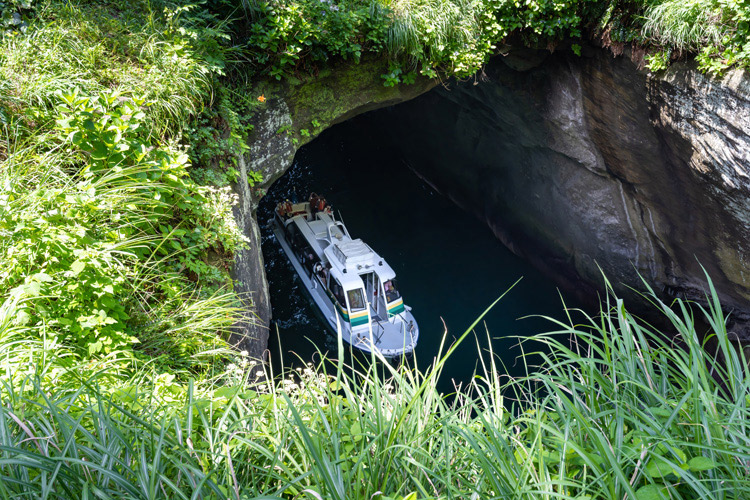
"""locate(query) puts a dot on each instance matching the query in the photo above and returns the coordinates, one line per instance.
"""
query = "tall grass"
(94, 46)
(122, 224)
(622, 411)
(685, 25)
(445, 32)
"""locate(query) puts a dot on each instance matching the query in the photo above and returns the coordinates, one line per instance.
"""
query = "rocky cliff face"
(582, 163)
(292, 115)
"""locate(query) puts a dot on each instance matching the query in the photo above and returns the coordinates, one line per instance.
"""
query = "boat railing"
(381, 332)
(409, 330)
(338, 235)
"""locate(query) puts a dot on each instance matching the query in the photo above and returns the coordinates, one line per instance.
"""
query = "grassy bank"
(621, 414)
(121, 123)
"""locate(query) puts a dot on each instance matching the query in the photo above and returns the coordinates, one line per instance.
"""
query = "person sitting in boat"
(313, 202)
(307, 256)
(391, 293)
(321, 271)
(317, 204)
(284, 208)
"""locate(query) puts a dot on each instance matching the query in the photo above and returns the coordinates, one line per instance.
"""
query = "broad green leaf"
(77, 266)
(32, 289)
(95, 347)
(701, 464)
(650, 492)
(22, 318)
(658, 468)
(356, 431)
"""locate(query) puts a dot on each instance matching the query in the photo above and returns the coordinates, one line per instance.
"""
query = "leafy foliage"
(716, 31)
(115, 289)
(286, 35)
(451, 37)
(219, 135)
(14, 16)
(291, 39)
(108, 240)
(81, 243)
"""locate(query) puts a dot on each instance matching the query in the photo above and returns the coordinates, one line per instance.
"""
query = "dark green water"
(450, 267)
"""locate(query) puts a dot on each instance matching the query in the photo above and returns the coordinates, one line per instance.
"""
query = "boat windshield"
(391, 290)
(356, 299)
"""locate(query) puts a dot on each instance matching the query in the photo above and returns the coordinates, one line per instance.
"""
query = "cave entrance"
(449, 264)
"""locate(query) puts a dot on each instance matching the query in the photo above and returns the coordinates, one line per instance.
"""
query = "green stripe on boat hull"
(392, 311)
(359, 321)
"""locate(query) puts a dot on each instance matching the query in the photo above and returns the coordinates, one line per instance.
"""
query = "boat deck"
(387, 337)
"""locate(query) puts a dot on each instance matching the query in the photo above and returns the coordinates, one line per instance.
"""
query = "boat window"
(391, 290)
(308, 256)
(356, 299)
(338, 291)
(293, 235)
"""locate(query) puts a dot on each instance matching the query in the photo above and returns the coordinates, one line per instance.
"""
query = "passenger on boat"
(321, 271)
(391, 293)
(308, 257)
(284, 208)
(317, 204)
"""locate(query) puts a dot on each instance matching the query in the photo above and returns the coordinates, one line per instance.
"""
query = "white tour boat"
(353, 286)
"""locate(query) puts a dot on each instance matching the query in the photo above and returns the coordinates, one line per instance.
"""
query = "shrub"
(108, 227)
(428, 37)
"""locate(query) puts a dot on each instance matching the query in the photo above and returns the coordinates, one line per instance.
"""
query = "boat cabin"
(364, 277)
(348, 275)
(350, 270)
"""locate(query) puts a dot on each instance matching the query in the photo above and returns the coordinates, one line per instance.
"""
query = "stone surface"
(291, 116)
(583, 164)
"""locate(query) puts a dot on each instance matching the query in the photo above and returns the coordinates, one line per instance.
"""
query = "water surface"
(449, 265)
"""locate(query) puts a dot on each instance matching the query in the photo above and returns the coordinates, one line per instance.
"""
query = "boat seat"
(299, 209)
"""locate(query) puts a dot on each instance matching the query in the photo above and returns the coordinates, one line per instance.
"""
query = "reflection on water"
(449, 265)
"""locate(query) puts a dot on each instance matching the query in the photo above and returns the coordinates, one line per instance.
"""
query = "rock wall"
(582, 165)
(291, 115)
(588, 163)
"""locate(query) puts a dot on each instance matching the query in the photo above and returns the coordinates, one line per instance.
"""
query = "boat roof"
(353, 252)
(348, 258)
